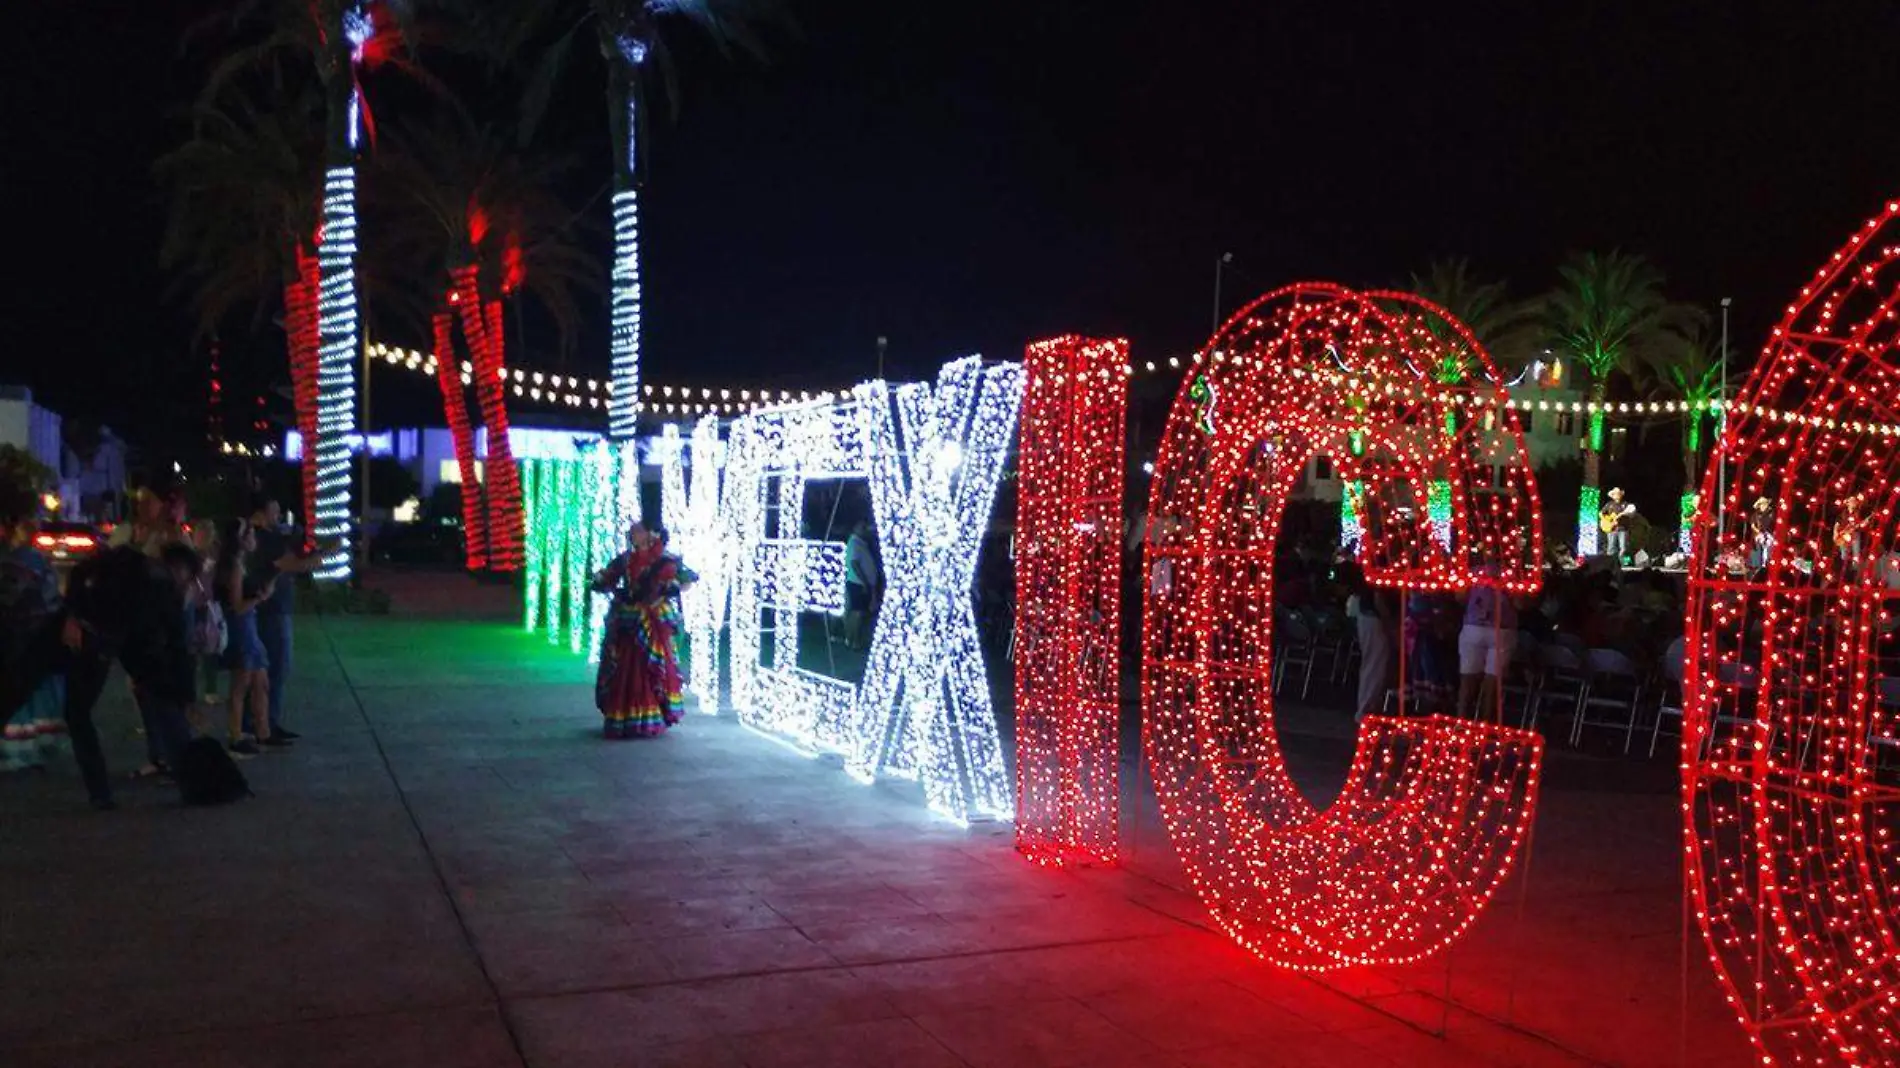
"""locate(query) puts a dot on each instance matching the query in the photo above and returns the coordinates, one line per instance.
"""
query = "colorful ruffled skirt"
(638, 689)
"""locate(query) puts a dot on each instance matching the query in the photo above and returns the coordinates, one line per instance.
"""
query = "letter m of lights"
(933, 456)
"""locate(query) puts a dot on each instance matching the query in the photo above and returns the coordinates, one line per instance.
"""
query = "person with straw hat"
(1615, 519)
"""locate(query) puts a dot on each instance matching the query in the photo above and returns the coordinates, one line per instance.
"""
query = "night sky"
(967, 176)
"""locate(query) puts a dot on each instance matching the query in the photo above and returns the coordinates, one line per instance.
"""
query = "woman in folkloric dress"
(638, 688)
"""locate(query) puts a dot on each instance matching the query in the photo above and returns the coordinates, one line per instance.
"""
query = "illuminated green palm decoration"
(1608, 314)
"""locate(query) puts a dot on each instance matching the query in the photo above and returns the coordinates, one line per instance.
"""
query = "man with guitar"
(1847, 534)
(1614, 521)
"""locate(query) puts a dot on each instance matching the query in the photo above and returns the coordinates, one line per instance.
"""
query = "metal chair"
(1669, 687)
(1521, 677)
(1611, 682)
(1331, 639)
(1560, 680)
(1292, 649)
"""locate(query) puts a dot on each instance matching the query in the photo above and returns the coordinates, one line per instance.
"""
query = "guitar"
(1608, 522)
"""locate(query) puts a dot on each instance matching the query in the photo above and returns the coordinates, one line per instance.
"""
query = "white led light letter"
(933, 456)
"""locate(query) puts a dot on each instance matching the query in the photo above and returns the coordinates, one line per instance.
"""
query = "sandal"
(151, 771)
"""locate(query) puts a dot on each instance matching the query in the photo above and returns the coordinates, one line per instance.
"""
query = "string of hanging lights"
(575, 391)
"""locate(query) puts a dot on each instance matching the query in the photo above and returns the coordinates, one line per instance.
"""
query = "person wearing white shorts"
(1484, 647)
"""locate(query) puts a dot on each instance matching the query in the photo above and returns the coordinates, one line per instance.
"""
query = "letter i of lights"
(1068, 600)
(336, 366)
(1790, 814)
(1434, 809)
(934, 457)
(691, 516)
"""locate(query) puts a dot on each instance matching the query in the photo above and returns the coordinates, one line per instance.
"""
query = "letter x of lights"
(933, 456)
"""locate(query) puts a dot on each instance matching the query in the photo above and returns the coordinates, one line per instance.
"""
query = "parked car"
(66, 544)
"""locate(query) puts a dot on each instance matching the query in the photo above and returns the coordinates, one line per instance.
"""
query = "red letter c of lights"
(1790, 818)
(1399, 396)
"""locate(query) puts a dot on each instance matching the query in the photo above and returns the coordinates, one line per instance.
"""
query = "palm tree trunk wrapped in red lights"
(1435, 808)
(448, 374)
(481, 328)
(300, 324)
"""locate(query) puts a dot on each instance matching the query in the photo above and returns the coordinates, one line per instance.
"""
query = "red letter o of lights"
(1789, 815)
(1399, 396)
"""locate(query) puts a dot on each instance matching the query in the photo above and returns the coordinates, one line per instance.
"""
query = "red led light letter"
(1068, 598)
(1428, 824)
(1791, 693)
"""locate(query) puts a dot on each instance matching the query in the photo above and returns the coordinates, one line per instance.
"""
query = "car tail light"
(45, 541)
(79, 541)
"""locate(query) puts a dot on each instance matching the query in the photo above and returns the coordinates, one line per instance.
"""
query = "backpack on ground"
(208, 776)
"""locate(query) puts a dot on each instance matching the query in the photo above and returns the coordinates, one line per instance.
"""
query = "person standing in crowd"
(157, 522)
(119, 604)
(278, 557)
(1485, 643)
(244, 654)
(1373, 618)
(151, 528)
(29, 596)
(860, 582)
(638, 688)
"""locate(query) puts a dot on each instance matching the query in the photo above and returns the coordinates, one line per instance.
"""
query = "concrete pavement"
(454, 870)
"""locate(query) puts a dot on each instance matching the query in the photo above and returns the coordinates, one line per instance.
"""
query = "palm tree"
(1609, 316)
(1511, 331)
(1688, 367)
(336, 41)
(241, 229)
(632, 45)
(473, 215)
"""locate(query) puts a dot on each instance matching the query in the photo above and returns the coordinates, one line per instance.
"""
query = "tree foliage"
(1609, 314)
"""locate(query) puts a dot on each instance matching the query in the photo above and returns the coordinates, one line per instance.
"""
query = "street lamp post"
(1219, 265)
(1721, 469)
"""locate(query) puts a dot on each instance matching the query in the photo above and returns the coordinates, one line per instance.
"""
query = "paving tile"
(682, 1012)
(465, 1038)
(1310, 1050)
(1196, 1015)
(1051, 1033)
(699, 914)
(726, 953)
(876, 1044)
(875, 941)
(821, 908)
